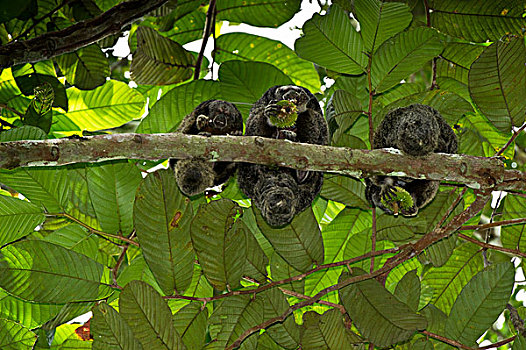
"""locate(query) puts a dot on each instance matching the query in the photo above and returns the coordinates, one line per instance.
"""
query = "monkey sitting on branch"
(416, 130)
(212, 117)
(292, 113)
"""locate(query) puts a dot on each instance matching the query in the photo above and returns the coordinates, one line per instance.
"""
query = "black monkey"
(212, 117)
(284, 112)
(416, 130)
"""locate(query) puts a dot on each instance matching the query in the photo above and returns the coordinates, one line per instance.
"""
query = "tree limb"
(76, 36)
(475, 172)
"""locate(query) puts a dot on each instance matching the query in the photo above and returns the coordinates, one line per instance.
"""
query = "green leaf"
(219, 239)
(473, 21)
(112, 188)
(159, 61)
(168, 112)
(13, 336)
(326, 332)
(149, 317)
(331, 41)
(299, 243)
(259, 13)
(25, 132)
(243, 46)
(513, 236)
(347, 109)
(137, 270)
(18, 218)
(408, 290)
(44, 186)
(377, 314)
(256, 260)
(77, 238)
(280, 270)
(479, 304)
(190, 322)
(232, 317)
(107, 106)
(286, 333)
(27, 314)
(345, 190)
(453, 66)
(110, 331)
(381, 20)
(520, 342)
(448, 280)
(246, 82)
(397, 229)
(497, 83)
(32, 270)
(162, 218)
(361, 243)
(402, 55)
(86, 68)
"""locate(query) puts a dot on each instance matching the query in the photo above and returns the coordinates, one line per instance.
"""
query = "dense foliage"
(163, 271)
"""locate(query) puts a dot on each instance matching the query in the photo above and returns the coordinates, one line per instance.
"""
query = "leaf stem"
(208, 28)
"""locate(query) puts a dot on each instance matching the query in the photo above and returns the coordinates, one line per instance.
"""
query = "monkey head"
(219, 118)
(194, 175)
(418, 131)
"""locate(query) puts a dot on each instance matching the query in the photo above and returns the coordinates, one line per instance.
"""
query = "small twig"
(370, 108)
(115, 269)
(451, 207)
(95, 231)
(208, 28)
(303, 296)
(11, 109)
(286, 280)
(515, 134)
(491, 246)
(494, 224)
(446, 340)
(497, 344)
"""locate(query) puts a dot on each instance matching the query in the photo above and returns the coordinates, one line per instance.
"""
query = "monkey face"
(294, 94)
(222, 118)
(276, 198)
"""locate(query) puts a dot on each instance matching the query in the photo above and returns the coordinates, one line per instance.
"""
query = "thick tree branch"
(76, 36)
(475, 172)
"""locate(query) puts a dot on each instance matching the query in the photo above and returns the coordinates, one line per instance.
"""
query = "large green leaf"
(346, 190)
(8, 88)
(478, 21)
(256, 260)
(381, 20)
(497, 83)
(359, 244)
(260, 13)
(514, 236)
(159, 61)
(25, 132)
(453, 66)
(326, 332)
(149, 317)
(32, 270)
(27, 314)
(107, 106)
(86, 68)
(18, 218)
(219, 239)
(190, 322)
(13, 336)
(408, 290)
(110, 331)
(479, 304)
(347, 108)
(243, 46)
(285, 333)
(332, 42)
(246, 82)
(162, 220)
(112, 189)
(402, 55)
(280, 270)
(299, 243)
(168, 112)
(448, 280)
(377, 314)
(232, 317)
(44, 186)
(77, 238)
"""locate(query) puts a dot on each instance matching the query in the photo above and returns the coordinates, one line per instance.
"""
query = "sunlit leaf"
(260, 13)
(86, 68)
(13, 336)
(17, 219)
(497, 83)
(346, 190)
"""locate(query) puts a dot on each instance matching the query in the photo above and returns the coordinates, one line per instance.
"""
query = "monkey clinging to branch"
(416, 130)
(212, 117)
(283, 112)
